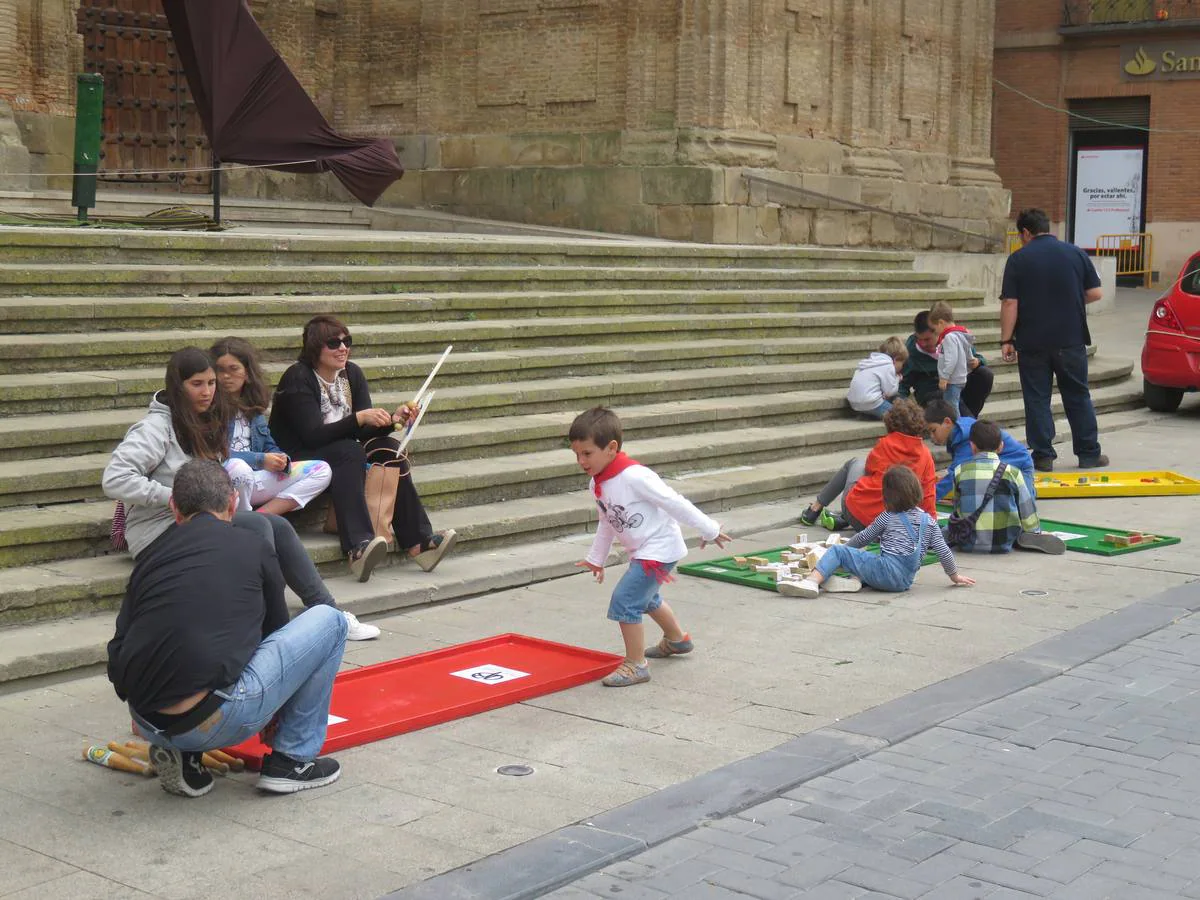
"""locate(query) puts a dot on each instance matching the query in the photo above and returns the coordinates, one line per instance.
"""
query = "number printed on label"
(490, 674)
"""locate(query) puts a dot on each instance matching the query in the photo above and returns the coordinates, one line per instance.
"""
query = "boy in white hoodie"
(877, 379)
(955, 347)
(636, 506)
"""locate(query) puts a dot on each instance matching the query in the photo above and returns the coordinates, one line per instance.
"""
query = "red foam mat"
(390, 698)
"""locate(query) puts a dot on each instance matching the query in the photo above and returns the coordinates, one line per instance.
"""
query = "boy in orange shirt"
(860, 483)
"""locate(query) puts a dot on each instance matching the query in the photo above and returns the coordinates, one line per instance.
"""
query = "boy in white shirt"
(636, 506)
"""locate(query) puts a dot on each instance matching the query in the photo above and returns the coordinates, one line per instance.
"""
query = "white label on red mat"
(489, 674)
(336, 720)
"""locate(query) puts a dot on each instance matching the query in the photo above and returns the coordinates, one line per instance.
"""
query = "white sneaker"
(807, 588)
(359, 631)
(842, 584)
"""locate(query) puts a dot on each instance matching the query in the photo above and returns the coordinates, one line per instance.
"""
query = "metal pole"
(216, 189)
(89, 114)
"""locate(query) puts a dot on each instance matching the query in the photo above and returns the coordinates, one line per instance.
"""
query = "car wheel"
(1161, 399)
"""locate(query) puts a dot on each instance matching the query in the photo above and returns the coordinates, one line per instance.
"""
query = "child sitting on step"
(876, 381)
(904, 532)
(262, 474)
(637, 507)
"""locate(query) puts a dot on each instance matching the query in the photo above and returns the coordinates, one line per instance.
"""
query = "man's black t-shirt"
(1048, 278)
(199, 602)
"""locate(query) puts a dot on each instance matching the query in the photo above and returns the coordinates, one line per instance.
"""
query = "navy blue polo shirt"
(1048, 278)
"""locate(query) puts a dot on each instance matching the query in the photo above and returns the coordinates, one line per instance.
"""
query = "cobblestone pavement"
(1083, 787)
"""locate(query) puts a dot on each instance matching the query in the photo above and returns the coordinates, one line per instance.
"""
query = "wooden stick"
(110, 759)
(438, 365)
(412, 428)
(234, 763)
(211, 762)
(133, 749)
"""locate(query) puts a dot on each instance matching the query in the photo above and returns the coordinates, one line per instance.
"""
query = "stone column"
(970, 121)
(719, 108)
(867, 99)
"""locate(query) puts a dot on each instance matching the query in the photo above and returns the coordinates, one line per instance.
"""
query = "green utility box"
(89, 121)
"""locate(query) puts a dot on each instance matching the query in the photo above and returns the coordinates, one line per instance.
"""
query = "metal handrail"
(865, 207)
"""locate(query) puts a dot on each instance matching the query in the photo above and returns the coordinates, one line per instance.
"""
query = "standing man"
(204, 653)
(1043, 326)
(919, 377)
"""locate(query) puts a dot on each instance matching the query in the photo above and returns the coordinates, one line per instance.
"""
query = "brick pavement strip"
(1035, 781)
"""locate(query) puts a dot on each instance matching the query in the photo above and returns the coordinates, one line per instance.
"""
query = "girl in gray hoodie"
(190, 418)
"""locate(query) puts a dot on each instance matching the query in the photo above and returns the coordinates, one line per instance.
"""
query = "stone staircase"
(728, 365)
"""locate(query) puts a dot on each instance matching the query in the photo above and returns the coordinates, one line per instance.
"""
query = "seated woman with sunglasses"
(322, 410)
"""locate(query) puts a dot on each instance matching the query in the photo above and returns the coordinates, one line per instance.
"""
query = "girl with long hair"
(265, 478)
(190, 418)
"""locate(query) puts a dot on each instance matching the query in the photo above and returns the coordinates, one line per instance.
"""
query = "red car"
(1171, 354)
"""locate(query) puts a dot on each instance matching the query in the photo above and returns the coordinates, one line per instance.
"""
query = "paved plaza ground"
(768, 672)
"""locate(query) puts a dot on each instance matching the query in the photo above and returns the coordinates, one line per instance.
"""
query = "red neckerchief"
(951, 330)
(619, 464)
(653, 567)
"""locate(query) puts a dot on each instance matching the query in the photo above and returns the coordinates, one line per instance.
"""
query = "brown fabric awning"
(255, 111)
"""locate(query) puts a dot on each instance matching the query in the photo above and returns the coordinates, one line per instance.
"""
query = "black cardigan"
(296, 421)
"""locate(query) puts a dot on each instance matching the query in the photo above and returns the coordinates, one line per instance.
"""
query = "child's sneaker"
(808, 589)
(626, 674)
(665, 648)
(830, 522)
(842, 584)
(808, 517)
(181, 773)
(1042, 541)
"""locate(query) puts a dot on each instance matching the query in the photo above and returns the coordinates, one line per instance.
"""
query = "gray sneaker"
(665, 648)
(627, 674)
(1042, 542)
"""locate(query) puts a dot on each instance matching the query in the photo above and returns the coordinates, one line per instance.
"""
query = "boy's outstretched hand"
(720, 540)
(962, 580)
(597, 571)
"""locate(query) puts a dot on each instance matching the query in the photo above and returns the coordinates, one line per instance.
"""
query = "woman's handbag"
(384, 471)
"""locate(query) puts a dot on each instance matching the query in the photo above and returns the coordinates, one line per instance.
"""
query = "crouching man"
(204, 653)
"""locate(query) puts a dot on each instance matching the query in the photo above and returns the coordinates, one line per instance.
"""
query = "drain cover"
(1033, 593)
(515, 770)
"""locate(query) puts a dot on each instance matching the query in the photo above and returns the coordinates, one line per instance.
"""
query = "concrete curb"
(538, 866)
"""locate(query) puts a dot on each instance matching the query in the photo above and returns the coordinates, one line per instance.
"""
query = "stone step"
(66, 476)
(474, 493)
(26, 353)
(556, 533)
(25, 315)
(240, 248)
(75, 391)
(459, 408)
(194, 281)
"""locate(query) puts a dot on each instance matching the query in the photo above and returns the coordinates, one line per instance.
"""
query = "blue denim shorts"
(635, 594)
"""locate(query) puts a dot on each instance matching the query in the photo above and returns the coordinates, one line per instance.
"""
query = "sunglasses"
(334, 343)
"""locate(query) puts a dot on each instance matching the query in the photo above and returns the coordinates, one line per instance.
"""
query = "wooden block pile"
(795, 563)
(1132, 539)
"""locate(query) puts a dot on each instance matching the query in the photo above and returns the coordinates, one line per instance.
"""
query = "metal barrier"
(1134, 253)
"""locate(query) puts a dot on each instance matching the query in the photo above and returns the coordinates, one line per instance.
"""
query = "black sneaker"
(809, 516)
(1044, 463)
(181, 773)
(1095, 462)
(283, 775)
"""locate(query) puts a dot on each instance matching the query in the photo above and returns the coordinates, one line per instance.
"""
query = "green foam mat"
(1088, 538)
(725, 569)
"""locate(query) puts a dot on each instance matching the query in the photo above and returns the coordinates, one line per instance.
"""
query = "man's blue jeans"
(883, 572)
(1069, 367)
(291, 673)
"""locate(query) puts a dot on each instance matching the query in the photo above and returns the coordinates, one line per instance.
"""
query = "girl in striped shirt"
(904, 532)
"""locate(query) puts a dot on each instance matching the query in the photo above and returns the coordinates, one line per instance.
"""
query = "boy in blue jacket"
(952, 431)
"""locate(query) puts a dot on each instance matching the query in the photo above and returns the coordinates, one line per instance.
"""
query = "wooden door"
(152, 132)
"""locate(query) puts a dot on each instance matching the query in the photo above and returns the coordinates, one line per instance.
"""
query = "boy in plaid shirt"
(1010, 516)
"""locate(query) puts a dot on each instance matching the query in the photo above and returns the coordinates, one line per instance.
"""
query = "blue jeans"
(884, 572)
(291, 673)
(1069, 367)
(953, 394)
(877, 412)
(635, 594)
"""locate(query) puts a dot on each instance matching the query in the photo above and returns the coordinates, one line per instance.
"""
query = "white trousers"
(301, 483)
